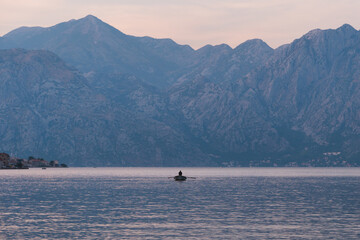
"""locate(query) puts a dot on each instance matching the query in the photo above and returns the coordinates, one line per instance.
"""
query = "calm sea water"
(143, 203)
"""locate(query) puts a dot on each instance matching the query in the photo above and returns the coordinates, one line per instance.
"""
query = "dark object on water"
(180, 178)
(44, 168)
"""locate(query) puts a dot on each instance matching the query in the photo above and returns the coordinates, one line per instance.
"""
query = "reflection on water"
(142, 203)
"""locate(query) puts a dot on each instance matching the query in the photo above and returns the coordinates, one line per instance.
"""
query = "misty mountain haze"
(87, 94)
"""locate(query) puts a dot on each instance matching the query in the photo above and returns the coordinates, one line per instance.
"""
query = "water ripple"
(118, 204)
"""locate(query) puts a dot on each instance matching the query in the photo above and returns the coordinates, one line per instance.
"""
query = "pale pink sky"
(193, 22)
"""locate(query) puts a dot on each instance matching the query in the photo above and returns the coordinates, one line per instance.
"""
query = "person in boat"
(180, 173)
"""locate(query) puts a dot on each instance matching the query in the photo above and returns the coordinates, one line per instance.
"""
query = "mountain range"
(89, 95)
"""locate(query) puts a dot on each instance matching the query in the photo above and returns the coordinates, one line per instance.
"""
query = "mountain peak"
(89, 16)
(313, 33)
(255, 46)
(346, 28)
(89, 25)
(90, 19)
(253, 43)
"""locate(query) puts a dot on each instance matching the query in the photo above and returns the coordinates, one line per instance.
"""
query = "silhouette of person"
(180, 173)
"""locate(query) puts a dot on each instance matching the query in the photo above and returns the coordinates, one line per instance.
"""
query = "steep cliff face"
(297, 102)
(48, 109)
(41, 98)
(220, 108)
(312, 86)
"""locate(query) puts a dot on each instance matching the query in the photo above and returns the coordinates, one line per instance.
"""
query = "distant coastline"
(10, 162)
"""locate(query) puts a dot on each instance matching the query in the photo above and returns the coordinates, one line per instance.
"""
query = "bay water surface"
(144, 203)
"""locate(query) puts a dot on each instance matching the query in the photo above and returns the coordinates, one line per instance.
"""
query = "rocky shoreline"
(9, 162)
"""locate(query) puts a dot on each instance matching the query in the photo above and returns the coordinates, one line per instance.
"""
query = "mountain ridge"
(151, 102)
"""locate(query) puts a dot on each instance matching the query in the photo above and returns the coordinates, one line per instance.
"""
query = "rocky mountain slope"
(91, 45)
(300, 103)
(113, 99)
(313, 86)
(50, 110)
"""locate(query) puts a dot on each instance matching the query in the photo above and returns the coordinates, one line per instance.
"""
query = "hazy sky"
(193, 22)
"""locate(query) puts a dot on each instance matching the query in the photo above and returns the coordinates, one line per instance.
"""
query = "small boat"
(180, 178)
